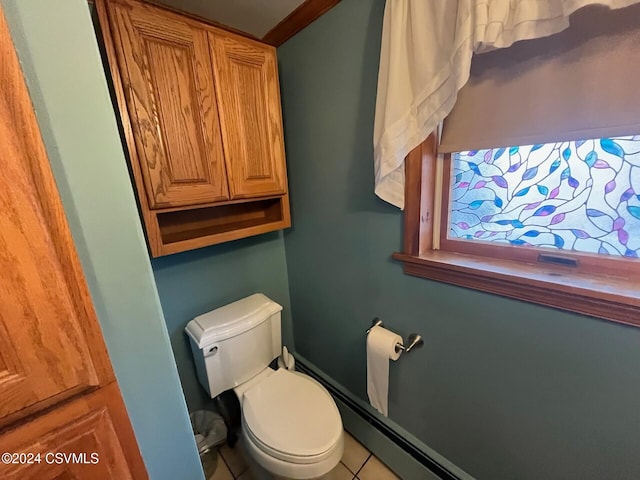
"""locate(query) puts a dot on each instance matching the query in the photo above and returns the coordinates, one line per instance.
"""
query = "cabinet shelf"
(212, 225)
(201, 116)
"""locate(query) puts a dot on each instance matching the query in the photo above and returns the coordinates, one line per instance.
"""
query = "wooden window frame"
(601, 288)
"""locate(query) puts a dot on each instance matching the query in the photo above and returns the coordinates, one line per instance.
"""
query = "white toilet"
(291, 425)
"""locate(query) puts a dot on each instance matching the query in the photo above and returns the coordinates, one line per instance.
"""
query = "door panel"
(51, 346)
(76, 441)
(48, 348)
(249, 104)
(168, 80)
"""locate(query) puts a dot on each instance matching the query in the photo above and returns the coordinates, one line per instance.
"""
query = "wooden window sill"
(611, 298)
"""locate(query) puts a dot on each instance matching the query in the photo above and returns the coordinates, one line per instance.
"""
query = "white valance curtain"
(425, 59)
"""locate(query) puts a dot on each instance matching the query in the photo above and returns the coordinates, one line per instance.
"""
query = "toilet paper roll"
(381, 347)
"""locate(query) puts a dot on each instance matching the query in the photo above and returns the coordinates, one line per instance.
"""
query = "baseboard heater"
(429, 463)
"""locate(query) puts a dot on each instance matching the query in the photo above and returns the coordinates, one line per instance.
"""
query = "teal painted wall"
(196, 282)
(58, 51)
(503, 389)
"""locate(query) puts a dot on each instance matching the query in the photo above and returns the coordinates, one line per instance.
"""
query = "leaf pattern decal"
(618, 223)
(628, 193)
(543, 190)
(532, 206)
(623, 236)
(610, 186)
(582, 195)
(544, 211)
(592, 212)
(530, 173)
(635, 211)
(514, 167)
(558, 241)
(500, 181)
(579, 233)
(474, 168)
(611, 146)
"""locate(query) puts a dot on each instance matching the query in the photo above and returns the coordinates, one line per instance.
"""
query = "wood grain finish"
(602, 287)
(602, 297)
(52, 355)
(87, 427)
(302, 16)
(249, 102)
(260, 176)
(168, 80)
(51, 344)
(420, 166)
(108, 50)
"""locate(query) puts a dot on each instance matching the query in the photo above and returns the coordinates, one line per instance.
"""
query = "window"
(556, 199)
(510, 198)
(522, 265)
(574, 196)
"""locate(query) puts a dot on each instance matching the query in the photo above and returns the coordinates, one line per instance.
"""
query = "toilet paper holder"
(414, 340)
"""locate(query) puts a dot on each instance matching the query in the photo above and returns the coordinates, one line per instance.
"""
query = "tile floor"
(357, 464)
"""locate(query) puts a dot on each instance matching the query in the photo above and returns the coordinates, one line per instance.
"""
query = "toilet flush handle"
(211, 350)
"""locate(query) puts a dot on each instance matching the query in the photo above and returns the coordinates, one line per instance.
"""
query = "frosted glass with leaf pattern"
(581, 196)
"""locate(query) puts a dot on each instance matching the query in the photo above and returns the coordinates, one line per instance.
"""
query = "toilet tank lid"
(231, 320)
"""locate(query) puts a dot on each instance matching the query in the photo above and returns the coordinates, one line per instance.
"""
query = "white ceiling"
(256, 17)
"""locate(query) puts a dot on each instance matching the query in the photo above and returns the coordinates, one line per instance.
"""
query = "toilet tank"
(232, 344)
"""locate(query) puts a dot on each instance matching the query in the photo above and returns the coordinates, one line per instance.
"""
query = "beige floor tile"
(339, 473)
(374, 469)
(234, 459)
(222, 471)
(247, 475)
(354, 454)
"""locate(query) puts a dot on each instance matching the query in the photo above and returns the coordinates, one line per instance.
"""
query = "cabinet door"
(50, 344)
(76, 441)
(249, 104)
(168, 80)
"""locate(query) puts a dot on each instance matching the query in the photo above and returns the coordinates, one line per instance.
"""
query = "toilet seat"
(291, 417)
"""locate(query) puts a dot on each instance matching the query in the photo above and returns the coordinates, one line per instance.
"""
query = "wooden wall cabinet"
(200, 109)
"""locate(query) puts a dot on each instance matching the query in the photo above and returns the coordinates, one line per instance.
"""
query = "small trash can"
(209, 430)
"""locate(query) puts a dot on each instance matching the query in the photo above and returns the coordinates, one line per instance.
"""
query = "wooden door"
(168, 81)
(79, 440)
(51, 347)
(246, 77)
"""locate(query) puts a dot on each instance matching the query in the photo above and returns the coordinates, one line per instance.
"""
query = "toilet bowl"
(290, 423)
